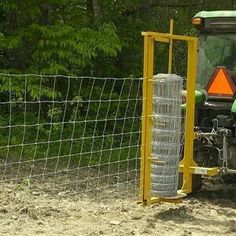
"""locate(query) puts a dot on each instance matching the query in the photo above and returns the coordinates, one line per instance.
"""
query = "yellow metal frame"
(187, 165)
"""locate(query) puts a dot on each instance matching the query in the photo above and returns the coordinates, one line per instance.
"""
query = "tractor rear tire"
(229, 178)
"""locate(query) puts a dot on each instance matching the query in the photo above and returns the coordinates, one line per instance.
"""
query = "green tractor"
(215, 119)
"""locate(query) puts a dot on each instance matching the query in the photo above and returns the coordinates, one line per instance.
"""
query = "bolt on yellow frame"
(187, 165)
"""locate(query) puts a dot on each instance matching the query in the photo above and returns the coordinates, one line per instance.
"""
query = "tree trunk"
(97, 12)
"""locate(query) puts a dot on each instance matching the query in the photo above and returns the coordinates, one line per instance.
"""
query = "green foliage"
(69, 37)
(60, 36)
(63, 49)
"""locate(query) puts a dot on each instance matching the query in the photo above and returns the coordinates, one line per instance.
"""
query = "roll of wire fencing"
(166, 134)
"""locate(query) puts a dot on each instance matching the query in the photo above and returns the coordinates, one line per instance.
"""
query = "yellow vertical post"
(170, 47)
(190, 109)
(147, 121)
(145, 74)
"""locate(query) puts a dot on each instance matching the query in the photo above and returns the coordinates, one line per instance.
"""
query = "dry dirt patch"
(28, 211)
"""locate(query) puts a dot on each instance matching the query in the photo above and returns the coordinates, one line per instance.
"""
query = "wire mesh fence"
(77, 132)
(166, 134)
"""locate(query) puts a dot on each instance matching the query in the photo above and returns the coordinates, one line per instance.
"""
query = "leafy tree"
(81, 37)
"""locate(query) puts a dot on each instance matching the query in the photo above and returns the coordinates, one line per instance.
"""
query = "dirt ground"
(31, 211)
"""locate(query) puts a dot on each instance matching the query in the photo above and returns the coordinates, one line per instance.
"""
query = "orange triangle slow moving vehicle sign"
(221, 84)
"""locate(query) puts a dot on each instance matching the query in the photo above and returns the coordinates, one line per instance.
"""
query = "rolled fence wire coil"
(166, 134)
